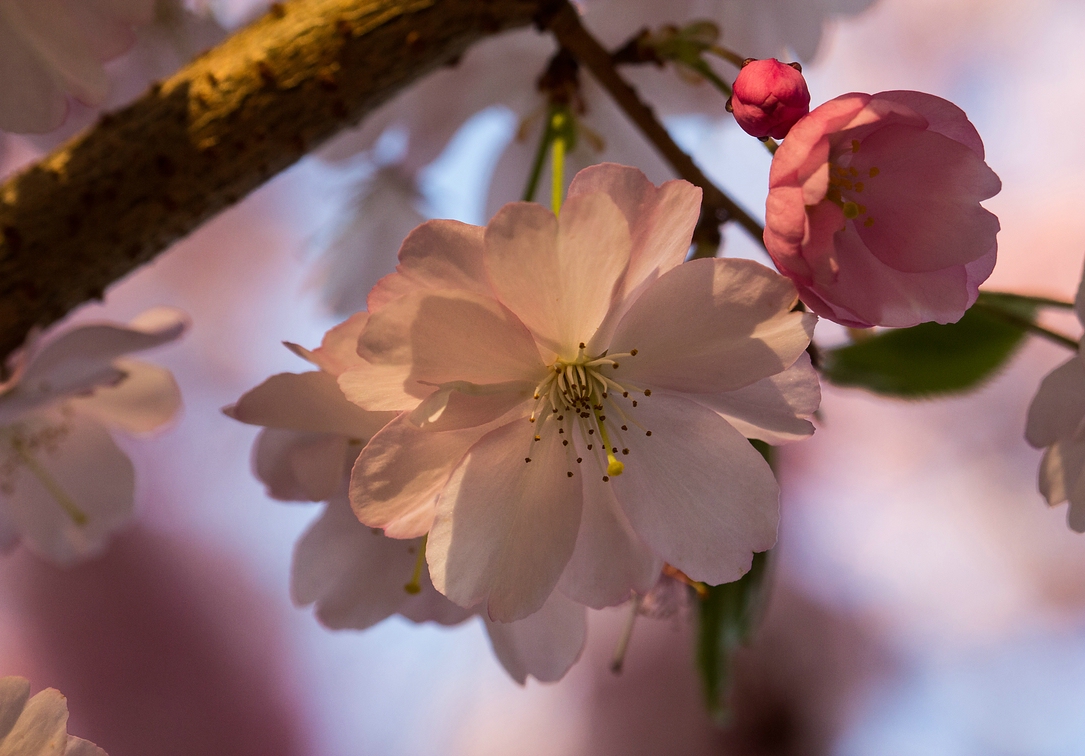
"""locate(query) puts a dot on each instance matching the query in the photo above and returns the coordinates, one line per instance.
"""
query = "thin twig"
(1027, 325)
(566, 26)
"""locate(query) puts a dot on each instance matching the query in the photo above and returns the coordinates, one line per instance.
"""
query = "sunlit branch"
(115, 196)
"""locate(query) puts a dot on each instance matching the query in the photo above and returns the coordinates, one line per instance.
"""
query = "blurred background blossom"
(925, 598)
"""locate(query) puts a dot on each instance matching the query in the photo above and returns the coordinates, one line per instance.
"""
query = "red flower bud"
(769, 98)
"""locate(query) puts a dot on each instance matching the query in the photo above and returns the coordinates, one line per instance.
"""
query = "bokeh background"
(925, 599)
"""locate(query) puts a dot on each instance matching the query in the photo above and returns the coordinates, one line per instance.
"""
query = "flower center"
(582, 396)
(846, 183)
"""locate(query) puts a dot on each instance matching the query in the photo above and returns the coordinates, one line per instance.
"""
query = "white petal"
(401, 471)
(338, 351)
(14, 693)
(301, 466)
(41, 729)
(85, 467)
(775, 408)
(82, 358)
(558, 274)
(696, 491)
(544, 645)
(506, 528)
(609, 560)
(146, 398)
(356, 577)
(1059, 405)
(382, 388)
(307, 402)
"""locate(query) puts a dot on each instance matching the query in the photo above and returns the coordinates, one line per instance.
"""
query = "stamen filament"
(66, 502)
(415, 586)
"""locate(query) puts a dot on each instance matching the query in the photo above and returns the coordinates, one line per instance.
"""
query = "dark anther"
(647, 392)
(748, 61)
(625, 427)
(633, 352)
(797, 66)
(579, 460)
(606, 478)
(625, 451)
(527, 459)
(570, 473)
(564, 442)
(647, 433)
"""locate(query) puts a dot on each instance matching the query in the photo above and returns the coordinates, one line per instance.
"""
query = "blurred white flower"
(53, 49)
(65, 486)
(1056, 420)
(37, 726)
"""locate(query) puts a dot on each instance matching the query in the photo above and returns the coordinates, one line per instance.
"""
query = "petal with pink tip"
(306, 402)
(610, 560)
(506, 527)
(338, 350)
(558, 274)
(544, 645)
(696, 491)
(400, 473)
(709, 326)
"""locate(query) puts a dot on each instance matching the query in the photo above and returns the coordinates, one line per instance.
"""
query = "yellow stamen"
(415, 586)
(66, 502)
(614, 465)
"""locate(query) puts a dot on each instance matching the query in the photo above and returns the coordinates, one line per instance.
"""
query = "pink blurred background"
(926, 600)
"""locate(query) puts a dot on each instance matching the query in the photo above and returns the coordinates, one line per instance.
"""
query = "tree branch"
(572, 35)
(117, 195)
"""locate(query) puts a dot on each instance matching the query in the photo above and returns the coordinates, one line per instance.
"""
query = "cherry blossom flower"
(53, 49)
(1056, 420)
(357, 577)
(38, 725)
(873, 210)
(65, 486)
(769, 98)
(565, 387)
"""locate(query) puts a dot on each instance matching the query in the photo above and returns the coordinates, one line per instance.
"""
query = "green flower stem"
(993, 296)
(1027, 325)
(730, 56)
(415, 586)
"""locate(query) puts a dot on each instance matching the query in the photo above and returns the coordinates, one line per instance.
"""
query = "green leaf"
(726, 617)
(932, 359)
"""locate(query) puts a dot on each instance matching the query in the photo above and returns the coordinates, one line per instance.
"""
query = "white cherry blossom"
(565, 385)
(65, 486)
(53, 49)
(1056, 420)
(38, 725)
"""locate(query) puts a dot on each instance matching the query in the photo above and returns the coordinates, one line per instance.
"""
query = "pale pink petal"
(544, 645)
(146, 398)
(296, 466)
(439, 254)
(696, 491)
(14, 693)
(338, 352)
(558, 274)
(774, 409)
(943, 117)
(356, 577)
(382, 388)
(41, 729)
(1059, 406)
(401, 471)
(506, 527)
(85, 467)
(610, 560)
(451, 335)
(709, 326)
(1062, 478)
(31, 98)
(306, 402)
(79, 747)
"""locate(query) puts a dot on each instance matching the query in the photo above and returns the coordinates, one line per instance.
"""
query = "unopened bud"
(769, 98)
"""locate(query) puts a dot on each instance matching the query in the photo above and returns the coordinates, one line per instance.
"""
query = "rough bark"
(115, 196)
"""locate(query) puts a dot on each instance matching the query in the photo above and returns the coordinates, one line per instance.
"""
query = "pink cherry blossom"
(356, 577)
(65, 486)
(1056, 423)
(769, 97)
(565, 387)
(53, 49)
(873, 210)
(37, 725)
